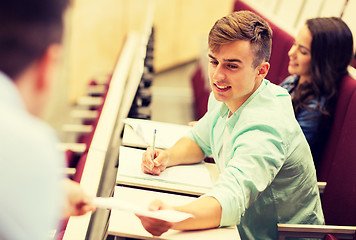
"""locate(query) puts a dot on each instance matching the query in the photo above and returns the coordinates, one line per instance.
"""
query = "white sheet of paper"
(165, 215)
(141, 133)
(194, 175)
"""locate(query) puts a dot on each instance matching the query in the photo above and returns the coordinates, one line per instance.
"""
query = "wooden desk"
(126, 224)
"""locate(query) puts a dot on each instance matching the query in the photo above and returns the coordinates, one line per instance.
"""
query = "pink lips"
(221, 88)
(291, 64)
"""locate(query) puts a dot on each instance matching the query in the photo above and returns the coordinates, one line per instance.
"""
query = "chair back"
(338, 166)
(342, 119)
(201, 94)
(330, 237)
(80, 168)
(281, 44)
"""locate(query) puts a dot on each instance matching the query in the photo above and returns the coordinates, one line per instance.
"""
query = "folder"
(139, 133)
(191, 179)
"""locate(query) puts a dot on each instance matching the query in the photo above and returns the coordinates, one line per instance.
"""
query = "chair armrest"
(77, 128)
(75, 147)
(90, 101)
(69, 172)
(321, 186)
(314, 231)
(84, 114)
(352, 71)
(96, 90)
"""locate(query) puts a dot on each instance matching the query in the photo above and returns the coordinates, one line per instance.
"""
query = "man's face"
(231, 73)
(49, 69)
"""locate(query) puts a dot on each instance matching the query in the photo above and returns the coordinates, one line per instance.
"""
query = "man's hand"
(154, 226)
(157, 165)
(76, 202)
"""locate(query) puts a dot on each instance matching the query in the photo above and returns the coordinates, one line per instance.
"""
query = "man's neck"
(235, 105)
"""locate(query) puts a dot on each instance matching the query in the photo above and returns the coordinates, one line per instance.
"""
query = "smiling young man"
(267, 172)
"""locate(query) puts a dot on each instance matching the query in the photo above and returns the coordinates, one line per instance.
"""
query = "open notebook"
(139, 133)
(191, 179)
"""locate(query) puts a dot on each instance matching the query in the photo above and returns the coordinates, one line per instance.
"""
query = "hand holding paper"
(155, 226)
(165, 215)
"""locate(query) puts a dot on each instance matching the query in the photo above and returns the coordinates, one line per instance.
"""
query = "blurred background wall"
(95, 32)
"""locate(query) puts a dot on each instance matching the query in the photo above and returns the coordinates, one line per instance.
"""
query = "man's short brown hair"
(243, 25)
(27, 29)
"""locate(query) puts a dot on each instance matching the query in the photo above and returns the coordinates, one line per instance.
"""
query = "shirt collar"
(292, 83)
(224, 110)
(9, 94)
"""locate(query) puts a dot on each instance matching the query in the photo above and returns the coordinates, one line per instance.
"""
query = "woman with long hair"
(319, 58)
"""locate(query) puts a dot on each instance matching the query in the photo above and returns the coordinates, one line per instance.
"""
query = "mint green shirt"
(268, 176)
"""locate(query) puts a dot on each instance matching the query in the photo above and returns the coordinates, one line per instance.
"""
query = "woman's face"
(300, 54)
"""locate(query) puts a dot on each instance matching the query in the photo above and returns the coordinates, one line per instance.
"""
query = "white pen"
(153, 144)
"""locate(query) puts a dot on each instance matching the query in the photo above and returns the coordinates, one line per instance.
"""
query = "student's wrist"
(168, 158)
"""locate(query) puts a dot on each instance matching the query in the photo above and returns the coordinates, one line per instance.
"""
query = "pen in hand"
(153, 144)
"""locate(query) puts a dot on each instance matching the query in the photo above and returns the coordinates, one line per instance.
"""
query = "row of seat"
(338, 170)
(94, 103)
(97, 92)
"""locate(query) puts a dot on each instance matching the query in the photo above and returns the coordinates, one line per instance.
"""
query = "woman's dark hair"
(331, 53)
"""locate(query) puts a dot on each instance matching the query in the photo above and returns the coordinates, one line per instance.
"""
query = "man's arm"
(206, 211)
(185, 151)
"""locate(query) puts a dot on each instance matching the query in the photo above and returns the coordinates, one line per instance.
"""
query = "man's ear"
(47, 67)
(262, 70)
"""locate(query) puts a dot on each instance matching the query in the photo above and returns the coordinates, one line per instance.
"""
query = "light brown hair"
(243, 25)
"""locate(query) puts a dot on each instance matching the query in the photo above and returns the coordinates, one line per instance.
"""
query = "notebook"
(190, 179)
(139, 133)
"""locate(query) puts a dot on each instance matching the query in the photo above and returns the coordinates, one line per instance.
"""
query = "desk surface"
(194, 179)
(126, 224)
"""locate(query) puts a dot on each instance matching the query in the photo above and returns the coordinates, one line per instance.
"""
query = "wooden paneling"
(350, 18)
(182, 27)
(94, 41)
(332, 8)
(289, 11)
(96, 30)
(310, 9)
(291, 15)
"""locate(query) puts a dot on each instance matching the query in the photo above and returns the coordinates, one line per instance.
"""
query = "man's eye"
(232, 66)
(214, 62)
